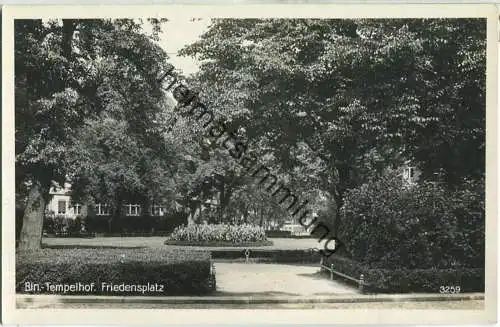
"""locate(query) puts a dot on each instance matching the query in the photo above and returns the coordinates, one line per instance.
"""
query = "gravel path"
(275, 279)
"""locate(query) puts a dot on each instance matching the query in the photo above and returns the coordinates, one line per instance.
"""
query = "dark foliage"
(63, 226)
(124, 226)
(409, 280)
(390, 225)
(265, 255)
(278, 233)
(182, 272)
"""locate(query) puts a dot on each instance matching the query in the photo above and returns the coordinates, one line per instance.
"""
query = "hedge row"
(181, 272)
(271, 255)
(425, 280)
(284, 234)
(122, 234)
(81, 226)
(410, 280)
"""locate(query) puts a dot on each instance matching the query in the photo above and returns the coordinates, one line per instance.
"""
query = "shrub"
(182, 272)
(173, 220)
(218, 233)
(268, 255)
(126, 224)
(386, 224)
(425, 280)
(278, 233)
(136, 224)
(63, 226)
(409, 280)
(98, 224)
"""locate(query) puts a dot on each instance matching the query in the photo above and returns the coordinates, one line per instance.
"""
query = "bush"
(136, 224)
(386, 224)
(127, 224)
(173, 220)
(425, 280)
(181, 272)
(278, 233)
(218, 233)
(268, 255)
(409, 280)
(63, 226)
(98, 224)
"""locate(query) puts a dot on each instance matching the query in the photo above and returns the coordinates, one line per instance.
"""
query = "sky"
(177, 33)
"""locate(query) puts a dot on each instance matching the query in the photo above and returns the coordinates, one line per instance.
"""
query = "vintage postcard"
(249, 164)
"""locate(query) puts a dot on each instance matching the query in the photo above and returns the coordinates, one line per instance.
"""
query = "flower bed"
(219, 244)
(159, 272)
(217, 235)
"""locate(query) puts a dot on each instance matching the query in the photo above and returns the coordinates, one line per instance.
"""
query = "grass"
(156, 241)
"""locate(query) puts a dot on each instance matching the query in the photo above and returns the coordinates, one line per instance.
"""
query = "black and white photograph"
(200, 162)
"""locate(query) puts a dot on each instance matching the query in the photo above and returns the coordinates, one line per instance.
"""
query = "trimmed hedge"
(425, 280)
(218, 244)
(125, 225)
(272, 255)
(61, 226)
(181, 272)
(285, 234)
(410, 280)
(237, 234)
(278, 233)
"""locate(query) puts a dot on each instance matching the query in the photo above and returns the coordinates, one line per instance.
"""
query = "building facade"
(60, 205)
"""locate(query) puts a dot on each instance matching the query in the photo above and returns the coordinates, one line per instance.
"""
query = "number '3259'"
(449, 289)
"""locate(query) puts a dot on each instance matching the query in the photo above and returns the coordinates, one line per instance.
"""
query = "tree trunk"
(31, 232)
(338, 199)
(221, 208)
(68, 30)
(245, 216)
(193, 214)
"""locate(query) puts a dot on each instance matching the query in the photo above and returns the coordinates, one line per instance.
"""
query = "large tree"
(61, 79)
(347, 98)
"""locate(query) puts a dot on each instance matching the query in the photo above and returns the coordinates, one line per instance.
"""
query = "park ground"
(240, 279)
(157, 241)
(424, 305)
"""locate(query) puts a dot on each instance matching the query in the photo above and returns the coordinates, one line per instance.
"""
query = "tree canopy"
(336, 101)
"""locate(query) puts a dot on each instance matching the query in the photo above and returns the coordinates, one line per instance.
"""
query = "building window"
(61, 207)
(102, 209)
(77, 208)
(409, 174)
(133, 209)
(157, 210)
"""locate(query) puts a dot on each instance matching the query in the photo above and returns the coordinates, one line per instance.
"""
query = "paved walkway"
(275, 279)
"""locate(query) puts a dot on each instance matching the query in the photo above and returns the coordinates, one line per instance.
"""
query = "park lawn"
(158, 241)
(158, 271)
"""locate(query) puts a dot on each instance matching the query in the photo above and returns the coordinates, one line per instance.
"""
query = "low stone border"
(220, 244)
(23, 299)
